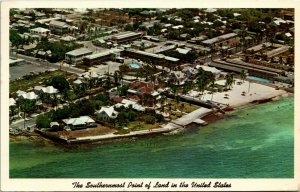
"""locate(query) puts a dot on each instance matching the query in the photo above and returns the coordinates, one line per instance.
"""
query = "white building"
(79, 123)
(107, 113)
(40, 31)
(77, 55)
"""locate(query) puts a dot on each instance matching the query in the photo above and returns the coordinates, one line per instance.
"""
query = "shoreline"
(164, 130)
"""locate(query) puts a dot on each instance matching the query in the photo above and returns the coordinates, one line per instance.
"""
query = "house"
(189, 72)
(67, 39)
(177, 77)
(76, 56)
(58, 27)
(12, 102)
(29, 96)
(82, 122)
(144, 91)
(42, 32)
(183, 51)
(126, 103)
(50, 90)
(213, 70)
(54, 125)
(106, 113)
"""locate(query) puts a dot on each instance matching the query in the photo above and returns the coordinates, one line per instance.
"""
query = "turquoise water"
(258, 79)
(255, 142)
(135, 65)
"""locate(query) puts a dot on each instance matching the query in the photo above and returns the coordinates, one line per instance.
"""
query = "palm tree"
(212, 85)
(26, 106)
(243, 75)
(202, 81)
(229, 80)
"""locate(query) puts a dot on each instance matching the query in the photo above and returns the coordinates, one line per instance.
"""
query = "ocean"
(252, 142)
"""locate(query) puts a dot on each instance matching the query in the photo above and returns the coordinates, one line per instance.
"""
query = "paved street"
(21, 70)
(39, 62)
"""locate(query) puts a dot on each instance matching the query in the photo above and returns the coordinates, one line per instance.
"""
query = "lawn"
(179, 109)
(24, 84)
(139, 125)
(99, 130)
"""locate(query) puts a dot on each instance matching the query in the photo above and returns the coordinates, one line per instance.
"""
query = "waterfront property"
(82, 122)
(106, 114)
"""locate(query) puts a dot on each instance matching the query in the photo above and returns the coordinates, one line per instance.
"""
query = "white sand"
(257, 92)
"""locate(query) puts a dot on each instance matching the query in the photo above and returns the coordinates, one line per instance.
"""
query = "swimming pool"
(258, 79)
(135, 65)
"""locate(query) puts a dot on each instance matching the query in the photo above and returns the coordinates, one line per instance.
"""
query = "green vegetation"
(58, 49)
(42, 121)
(15, 38)
(138, 120)
(80, 108)
(89, 19)
(59, 82)
(33, 80)
(93, 37)
(190, 56)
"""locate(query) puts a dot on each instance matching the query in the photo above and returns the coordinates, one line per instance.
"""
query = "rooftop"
(219, 38)
(40, 30)
(78, 52)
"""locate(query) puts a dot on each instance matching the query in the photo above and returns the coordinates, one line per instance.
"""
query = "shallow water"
(255, 142)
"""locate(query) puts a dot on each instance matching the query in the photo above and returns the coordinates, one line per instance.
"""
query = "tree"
(243, 75)
(229, 80)
(59, 82)
(42, 121)
(128, 27)
(27, 106)
(122, 90)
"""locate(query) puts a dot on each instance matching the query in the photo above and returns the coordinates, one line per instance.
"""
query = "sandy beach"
(234, 95)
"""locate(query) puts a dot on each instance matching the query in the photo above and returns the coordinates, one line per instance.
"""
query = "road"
(63, 67)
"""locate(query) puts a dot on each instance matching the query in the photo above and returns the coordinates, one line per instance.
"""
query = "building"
(47, 90)
(228, 39)
(159, 59)
(125, 37)
(177, 77)
(189, 71)
(127, 103)
(144, 92)
(29, 95)
(58, 27)
(42, 32)
(82, 122)
(97, 58)
(76, 56)
(106, 114)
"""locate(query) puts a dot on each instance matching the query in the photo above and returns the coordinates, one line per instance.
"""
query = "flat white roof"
(219, 38)
(40, 30)
(78, 52)
(101, 54)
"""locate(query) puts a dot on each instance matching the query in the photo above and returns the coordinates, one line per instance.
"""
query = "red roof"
(117, 99)
(144, 87)
(135, 97)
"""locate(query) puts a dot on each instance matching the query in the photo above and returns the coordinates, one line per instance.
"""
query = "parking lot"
(21, 70)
